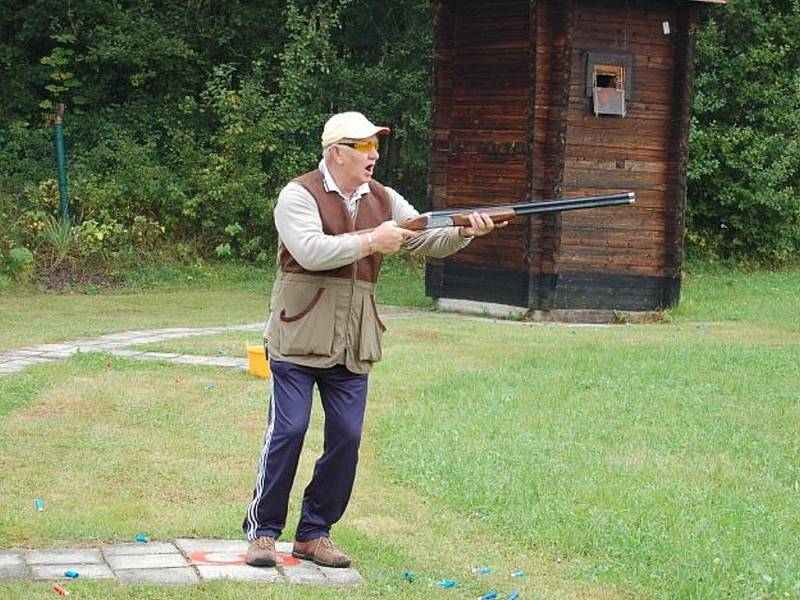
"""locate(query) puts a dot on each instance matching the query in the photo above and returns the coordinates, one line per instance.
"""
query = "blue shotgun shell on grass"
(513, 596)
(481, 570)
(71, 574)
(518, 574)
(409, 576)
(38, 504)
(447, 584)
(142, 538)
(489, 596)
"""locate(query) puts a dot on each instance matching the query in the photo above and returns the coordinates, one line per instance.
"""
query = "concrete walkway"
(116, 343)
(182, 562)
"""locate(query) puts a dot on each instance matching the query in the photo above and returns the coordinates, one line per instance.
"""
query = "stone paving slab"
(84, 571)
(12, 566)
(94, 344)
(305, 572)
(178, 576)
(64, 556)
(127, 353)
(224, 362)
(54, 347)
(215, 559)
(342, 576)
(137, 548)
(182, 562)
(190, 545)
(240, 573)
(21, 362)
(234, 363)
(10, 559)
(191, 359)
(158, 356)
(153, 339)
(116, 343)
(147, 561)
(56, 354)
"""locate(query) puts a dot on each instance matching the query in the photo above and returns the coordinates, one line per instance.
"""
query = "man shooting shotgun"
(334, 225)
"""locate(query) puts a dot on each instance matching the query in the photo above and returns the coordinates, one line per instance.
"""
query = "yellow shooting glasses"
(365, 147)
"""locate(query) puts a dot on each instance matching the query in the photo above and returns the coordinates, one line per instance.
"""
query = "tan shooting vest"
(325, 318)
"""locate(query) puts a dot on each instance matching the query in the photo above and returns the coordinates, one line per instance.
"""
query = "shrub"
(744, 147)
(184, 121)
(19, 265)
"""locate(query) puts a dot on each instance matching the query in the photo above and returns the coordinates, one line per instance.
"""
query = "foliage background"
(745, 154)
(184, 119)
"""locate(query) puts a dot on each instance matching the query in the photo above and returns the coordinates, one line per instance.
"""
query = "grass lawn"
(196, 297)
(647, 461)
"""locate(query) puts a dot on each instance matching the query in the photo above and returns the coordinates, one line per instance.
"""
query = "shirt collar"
(329, 183)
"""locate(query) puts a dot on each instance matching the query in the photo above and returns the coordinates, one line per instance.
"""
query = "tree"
(744, 147)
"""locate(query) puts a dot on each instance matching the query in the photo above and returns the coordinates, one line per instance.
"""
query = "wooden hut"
(538, 99)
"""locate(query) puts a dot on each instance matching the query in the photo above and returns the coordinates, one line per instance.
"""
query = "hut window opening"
(608, 82)
(608, 96)
(607, 76)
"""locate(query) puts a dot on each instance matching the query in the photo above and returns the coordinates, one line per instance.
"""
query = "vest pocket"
(306, 321)
(372, 329)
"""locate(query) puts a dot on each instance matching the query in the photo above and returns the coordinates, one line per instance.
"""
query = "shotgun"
(506, 212)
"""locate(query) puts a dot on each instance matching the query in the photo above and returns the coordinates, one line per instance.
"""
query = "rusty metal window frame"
(623, 61)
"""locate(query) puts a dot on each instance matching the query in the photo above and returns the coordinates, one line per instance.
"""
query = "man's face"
(358, 159)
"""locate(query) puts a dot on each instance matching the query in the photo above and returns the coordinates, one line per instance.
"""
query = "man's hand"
(388, 237)
(480, 224)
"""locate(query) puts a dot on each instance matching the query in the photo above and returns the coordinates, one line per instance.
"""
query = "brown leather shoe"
(261, 553)
(322, 551)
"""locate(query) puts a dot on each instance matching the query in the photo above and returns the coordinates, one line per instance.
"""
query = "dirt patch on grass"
(64, 276)
(426, 335)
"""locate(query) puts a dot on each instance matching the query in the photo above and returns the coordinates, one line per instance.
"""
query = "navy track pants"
(344, 399)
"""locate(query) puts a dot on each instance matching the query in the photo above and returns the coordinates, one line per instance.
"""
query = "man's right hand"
(387, 238)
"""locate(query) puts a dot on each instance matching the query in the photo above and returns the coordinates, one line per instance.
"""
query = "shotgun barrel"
(506, 212)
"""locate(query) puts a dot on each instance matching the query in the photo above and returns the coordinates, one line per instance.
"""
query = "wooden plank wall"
(606, 154)
(550, 58)
(482, 83)
(512, 122)
(688, 18)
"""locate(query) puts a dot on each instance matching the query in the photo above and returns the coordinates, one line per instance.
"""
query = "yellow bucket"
(257, 361)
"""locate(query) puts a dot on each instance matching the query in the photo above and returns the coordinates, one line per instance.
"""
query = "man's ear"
(337, 154)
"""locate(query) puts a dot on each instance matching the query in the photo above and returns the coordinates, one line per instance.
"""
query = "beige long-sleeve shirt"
(300, 228)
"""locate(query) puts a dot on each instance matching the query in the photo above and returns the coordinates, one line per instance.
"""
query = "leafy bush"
(184, 121)
(19, 264)
(744, 147)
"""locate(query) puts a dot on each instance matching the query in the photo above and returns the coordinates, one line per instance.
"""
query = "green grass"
(126, 449)
(170, 458)
(759, 298)
(667, 459)
(647, 461)
(216, 294)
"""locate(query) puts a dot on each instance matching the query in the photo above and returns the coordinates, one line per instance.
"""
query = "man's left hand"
(480, 224)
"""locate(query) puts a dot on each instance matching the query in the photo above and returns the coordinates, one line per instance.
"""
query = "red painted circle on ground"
(287, 560)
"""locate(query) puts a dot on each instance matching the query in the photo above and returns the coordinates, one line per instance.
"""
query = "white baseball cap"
(350, 126)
